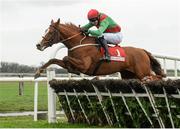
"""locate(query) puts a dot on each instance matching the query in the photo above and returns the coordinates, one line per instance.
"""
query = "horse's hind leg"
(142, 71)
(125, 74)
(146, 75)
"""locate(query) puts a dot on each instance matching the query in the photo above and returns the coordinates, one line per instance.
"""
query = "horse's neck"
(79, 39)
(68, 34)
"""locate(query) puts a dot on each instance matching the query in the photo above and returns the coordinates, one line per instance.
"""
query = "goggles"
(93, 19)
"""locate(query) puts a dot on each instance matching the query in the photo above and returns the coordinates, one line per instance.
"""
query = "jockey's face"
(94, 21)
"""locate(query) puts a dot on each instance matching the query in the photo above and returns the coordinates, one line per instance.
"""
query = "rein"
(63, 40)
(80, 43)
(70, 37)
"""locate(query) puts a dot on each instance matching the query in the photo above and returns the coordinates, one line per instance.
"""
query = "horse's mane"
(72, 27)
(75, 29)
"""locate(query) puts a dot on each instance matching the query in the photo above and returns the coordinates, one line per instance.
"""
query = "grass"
(10, 101)
(27, 122)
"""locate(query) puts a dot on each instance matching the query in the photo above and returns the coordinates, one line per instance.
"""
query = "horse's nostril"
(38, 45)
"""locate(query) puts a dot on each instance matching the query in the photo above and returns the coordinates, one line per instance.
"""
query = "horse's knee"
(51, 61)
(65, 59)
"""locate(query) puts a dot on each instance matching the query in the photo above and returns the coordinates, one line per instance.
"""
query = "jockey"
(108, 30)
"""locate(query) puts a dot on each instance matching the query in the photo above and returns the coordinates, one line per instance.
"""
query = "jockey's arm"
(87, 26)
(103, 26)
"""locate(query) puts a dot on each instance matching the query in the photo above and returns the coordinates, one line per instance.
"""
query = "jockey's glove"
(84, 31)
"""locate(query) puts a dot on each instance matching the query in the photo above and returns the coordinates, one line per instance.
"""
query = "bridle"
(53, 37)
(50, 42)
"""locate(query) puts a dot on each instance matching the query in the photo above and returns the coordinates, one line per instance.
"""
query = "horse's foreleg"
(51, 61)
(81, 65)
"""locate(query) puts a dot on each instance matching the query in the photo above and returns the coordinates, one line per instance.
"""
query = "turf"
(27, 122)
(11, 101)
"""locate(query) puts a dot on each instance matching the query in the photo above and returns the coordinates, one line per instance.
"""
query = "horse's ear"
(52, 21)
(58, 21)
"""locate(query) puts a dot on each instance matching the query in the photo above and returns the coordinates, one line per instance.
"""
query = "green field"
(27, 122)
(11, 101)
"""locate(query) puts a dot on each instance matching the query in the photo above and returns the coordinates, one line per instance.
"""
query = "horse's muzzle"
(38, 46)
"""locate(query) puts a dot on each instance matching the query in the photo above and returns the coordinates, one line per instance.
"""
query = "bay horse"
(84, 55)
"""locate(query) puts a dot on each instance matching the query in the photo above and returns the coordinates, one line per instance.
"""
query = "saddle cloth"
(116, 53)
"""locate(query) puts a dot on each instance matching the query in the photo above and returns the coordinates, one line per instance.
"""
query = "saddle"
(116, 52)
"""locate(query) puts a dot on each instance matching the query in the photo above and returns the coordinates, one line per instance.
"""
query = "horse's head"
(51, 36)
(68, 34)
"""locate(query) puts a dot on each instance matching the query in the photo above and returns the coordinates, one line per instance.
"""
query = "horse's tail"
(155, 65)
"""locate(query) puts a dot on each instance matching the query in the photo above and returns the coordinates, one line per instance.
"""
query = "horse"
(84, 55)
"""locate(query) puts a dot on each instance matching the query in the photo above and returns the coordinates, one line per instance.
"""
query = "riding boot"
(105, 46)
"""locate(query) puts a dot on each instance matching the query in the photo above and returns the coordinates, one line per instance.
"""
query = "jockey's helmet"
(93, 13)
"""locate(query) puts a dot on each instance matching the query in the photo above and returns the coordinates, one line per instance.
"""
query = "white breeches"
(113, 38)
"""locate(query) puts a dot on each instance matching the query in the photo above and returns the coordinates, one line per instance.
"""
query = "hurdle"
(120, 103)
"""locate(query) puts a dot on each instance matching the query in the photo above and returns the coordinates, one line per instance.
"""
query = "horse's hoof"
(95, 78)
(147, 79)
(36, 75)
(78, 73)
